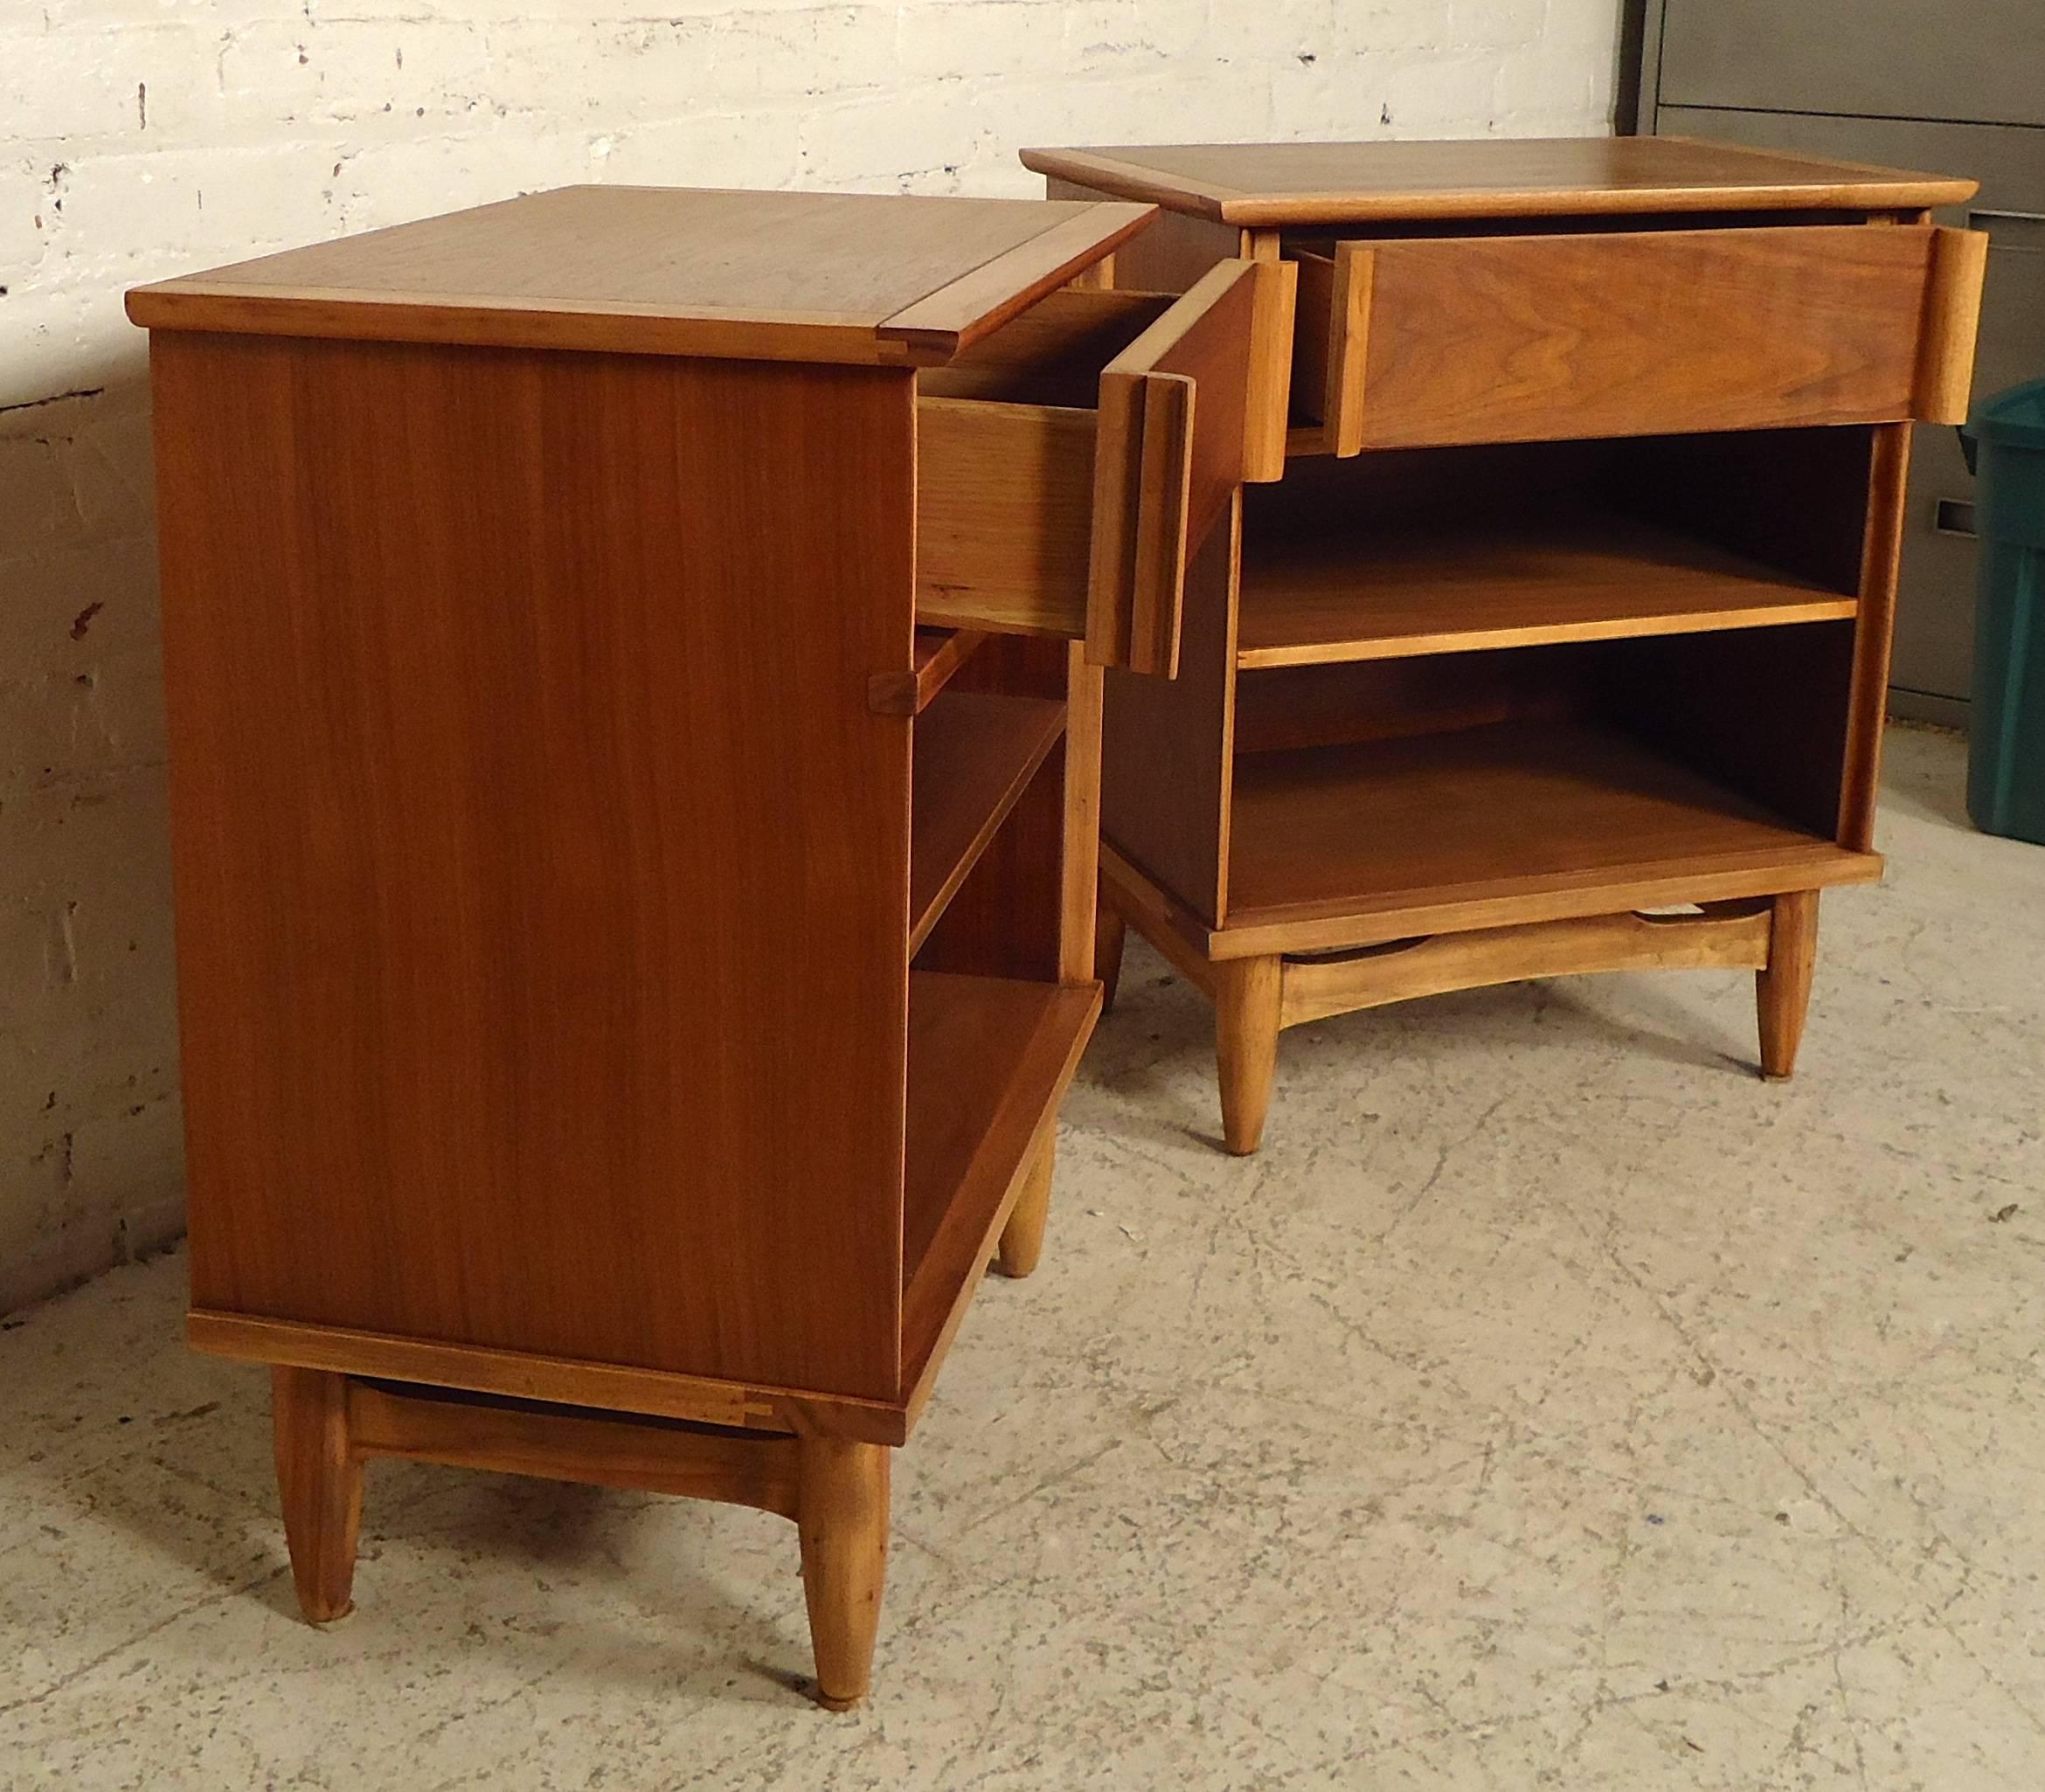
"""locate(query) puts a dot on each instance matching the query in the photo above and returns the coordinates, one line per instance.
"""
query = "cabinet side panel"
(1166, 743)
(541, 874)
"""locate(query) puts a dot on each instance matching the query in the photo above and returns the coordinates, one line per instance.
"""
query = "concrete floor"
(1551, 1403)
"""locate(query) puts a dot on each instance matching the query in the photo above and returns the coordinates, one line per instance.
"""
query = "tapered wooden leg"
(320, 1478)
(1783, 990)
(1246, 1030)
(1110, 931)
(1022, 1237)
(841, 1512)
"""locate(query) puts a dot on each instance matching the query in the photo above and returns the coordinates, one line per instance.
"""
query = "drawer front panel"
(1527, 338)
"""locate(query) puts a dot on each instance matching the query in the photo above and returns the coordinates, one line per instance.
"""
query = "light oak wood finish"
(938, 654)
(835, 1488)
(1576, 597)
(569, 1443)
(1783, 984)
(1248, 995)
(843, 1519)
(319, 1482)
(1880, 566)
(1952, 316)
(1022, 1245)
(1329, 351)
(562, 788)
(1725, 935)
(1269, 185)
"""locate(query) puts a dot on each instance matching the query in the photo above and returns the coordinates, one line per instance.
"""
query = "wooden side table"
(1574, 605)
(634, 673)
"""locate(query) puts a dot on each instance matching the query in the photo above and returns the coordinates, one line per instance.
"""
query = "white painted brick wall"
(141, 138)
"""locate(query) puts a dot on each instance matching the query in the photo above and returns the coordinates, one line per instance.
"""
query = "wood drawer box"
(1069, 465)
(1426, 342)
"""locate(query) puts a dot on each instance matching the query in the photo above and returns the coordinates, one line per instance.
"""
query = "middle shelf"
(1519, 544)
(1517, 581)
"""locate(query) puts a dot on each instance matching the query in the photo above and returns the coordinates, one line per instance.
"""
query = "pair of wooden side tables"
(640, 662)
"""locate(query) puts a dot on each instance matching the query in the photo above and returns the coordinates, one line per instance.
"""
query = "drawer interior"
(1005, 466)
(1052, 354)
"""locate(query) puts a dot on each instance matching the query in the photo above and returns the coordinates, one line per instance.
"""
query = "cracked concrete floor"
(1551, 1403)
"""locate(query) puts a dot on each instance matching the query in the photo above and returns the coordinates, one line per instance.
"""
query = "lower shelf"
(1516, 821)
(988, 1062)
(975, 754)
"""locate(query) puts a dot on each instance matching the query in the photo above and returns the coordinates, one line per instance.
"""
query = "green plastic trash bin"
(2005, 440)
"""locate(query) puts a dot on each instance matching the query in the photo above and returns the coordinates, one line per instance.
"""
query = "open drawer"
(1432, 342)
(1069, 463)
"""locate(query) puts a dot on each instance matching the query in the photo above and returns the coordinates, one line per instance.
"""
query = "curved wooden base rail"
(835, 1488)
(1255, 998)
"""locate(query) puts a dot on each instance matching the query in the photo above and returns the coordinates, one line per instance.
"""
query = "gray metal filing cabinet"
(1951, 84)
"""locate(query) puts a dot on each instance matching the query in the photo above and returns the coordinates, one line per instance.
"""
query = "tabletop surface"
(1308, 184)
(830, 276)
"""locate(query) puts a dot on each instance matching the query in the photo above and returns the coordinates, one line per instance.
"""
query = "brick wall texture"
(143, 138)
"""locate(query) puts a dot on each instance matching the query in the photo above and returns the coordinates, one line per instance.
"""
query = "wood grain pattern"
(319, 1482)
(1168, 461)
(1329, 351)
(1052, 354)
(976, 754)
(1267, 406)
(1021, 1235)
(1519, 338)
(522, 1375)
(974, 303)
(843, 1520)
(1008, 919)
(1317, 183)
(1952, 317)
(1386, 592)
(1520, 822)
(1732, 936)
(559, 1443)
(1004, 516)
(1167, 746)
(990, 1059)
(487, 1012)
(1867, 702)
(824, 277)
(1246, 1020)
(937, 653)
(1782, 986)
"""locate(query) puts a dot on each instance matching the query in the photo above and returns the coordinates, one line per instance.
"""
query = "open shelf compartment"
(1397, 797)
(989, 1059)
(1459, 549)
(975, 754)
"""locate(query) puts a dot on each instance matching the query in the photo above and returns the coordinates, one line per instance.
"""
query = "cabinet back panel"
(541, 872)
